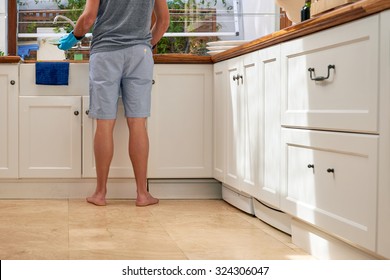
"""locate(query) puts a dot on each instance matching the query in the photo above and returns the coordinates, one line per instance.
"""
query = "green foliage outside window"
(178, 24)
(191, 45)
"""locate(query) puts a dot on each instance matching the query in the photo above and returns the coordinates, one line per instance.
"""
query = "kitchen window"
(194, 23)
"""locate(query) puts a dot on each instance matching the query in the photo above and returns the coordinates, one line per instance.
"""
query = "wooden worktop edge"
(181, 59)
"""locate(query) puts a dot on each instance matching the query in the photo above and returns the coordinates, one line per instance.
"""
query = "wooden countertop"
(181, 59)
(159, 59)
(9, 59)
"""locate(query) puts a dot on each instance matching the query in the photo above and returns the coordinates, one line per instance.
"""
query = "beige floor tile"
(230, 244)
(172, 230)
(163, 254)
(33, 229)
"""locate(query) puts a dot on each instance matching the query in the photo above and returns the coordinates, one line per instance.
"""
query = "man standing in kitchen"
(121, 63)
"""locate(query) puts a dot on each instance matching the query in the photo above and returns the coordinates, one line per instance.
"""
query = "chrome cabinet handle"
(320, 78)
(237, 78)
(242, 78)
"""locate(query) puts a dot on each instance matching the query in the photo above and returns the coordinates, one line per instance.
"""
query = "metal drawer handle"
(237, 78)
(320, 78)
(330, 170)
(242, 79)
(310, 166)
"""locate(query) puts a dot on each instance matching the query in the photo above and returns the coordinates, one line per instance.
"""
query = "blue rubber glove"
(68, 41)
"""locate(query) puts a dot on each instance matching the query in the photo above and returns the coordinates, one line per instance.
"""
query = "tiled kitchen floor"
(173, 229)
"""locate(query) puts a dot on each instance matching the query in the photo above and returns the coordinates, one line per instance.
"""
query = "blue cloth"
(52, 73)
(24, 50)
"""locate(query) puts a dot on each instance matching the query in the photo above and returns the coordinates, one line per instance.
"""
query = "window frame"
(12, 27)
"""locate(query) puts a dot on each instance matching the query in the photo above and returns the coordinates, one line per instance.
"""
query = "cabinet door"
(50, 137)
(270, 127)
(242, 124)
(330, 180)
(219, 121)
(120, 165)
(233, 129)
(180, 126)
(383, 245)
(9, 85)
(250, 123)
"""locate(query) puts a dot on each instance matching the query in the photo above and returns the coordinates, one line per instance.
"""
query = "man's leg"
(104, 150)
(139, 152)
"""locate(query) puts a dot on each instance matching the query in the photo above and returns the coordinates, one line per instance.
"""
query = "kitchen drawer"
(330, 181)
(348, 99)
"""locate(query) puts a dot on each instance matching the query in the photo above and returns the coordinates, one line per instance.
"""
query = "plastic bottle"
(305, 12)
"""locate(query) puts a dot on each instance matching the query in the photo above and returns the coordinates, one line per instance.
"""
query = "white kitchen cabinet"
(180, 126)
(330, 180)
(331, 140)
(242, 124)
(348, 99)
(219, 120)
(247, 111)
(120, 165)
(50, 136)
(268, 190)
(9, 90)
(383, 244)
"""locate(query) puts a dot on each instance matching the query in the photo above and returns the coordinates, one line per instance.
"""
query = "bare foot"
(146, 200)
(98, 201)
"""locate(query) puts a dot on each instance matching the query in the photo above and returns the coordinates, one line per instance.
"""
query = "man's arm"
(162, 21)
(87, 18)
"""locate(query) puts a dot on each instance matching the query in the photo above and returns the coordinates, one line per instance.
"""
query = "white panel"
(2, 6)
(219, 117)
(250, 122)
(233, 129)
(3, 32)
(180, 126)
(383, 247)
(50, 137)
(269, 73)
(343, 201)
(9, 121)
(348, 100)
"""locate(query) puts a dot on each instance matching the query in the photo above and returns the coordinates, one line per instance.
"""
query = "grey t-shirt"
(121, 24)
